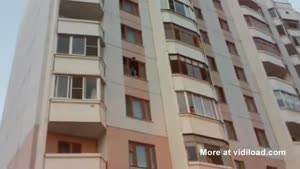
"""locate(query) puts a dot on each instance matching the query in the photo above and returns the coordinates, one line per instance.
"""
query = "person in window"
(134, 67)
(192, 109)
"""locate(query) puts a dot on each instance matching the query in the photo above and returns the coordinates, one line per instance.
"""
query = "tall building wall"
(147, 84)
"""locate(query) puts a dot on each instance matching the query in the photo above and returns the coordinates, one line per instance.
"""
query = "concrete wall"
(23, 105)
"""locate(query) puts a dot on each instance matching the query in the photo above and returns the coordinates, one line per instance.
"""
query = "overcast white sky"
(8, 33)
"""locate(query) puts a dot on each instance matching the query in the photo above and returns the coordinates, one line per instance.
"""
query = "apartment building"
(146, 84)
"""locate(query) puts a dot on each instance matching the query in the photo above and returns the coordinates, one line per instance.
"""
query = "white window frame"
(205, 114)
(71, 37)
(70, 88)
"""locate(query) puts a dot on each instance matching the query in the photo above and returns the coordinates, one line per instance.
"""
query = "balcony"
(80, 27)
(282, 85)
(74, 161)
(82, 9)
(270, 60)
(251, 8)
(71, 64)
(176, 46)
(170, 16)
(80, 118)
(199, 125)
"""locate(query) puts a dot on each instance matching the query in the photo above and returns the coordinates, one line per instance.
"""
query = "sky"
(10, 21)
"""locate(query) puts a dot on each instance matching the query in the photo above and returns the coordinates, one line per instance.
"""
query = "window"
(67, 147)
(291, 49)
(272, 12)
(129, 7)
(253, 22)
(198, 13)
(266, 46)
(250, 103)
(138, 108)
(296, 40)
(195, 143)
(224, 25)
(218, 4)
(231, 48)
(196, 104)
(77, 45)
(179, 33)
(261, 138)
(180, 8)
(214, 159)
(220, 94)
(134, 68)
(280, 30)
(287, 101)
(212, 63)
(204, 36)
(240, 73)
(292, 24)
(76, 87)
(189, 67)
(293, 128)
(192, 153)
(131, 35)
(239, 164)
(270, 167)
(231, 134)
(142, 156)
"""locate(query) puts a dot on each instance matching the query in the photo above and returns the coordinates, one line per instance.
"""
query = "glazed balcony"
(82, 9)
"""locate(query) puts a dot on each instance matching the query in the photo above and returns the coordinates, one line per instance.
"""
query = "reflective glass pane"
(62, 86)
(137, 109)
(63, 44)
(78, 45)
(141, 157)
(91, 88)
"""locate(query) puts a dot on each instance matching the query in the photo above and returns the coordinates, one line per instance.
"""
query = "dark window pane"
(76, 148)
(78, 45)
(192, 153)
(63, 44)
(63, 147)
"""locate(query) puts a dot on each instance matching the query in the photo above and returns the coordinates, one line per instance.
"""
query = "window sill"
(130, 13)
(136, 78)
(191, 78)
(66, 100)
(194, 115)
(180, 15)
(61, 55)
(78, 20)
(142, 120)
(138, 45)
(184, 44)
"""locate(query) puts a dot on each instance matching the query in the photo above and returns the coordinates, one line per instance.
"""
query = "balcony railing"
(252, 5)
(74, 161)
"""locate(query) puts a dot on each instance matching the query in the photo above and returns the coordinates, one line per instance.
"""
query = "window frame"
(181, 63)
(71, 148)
(142, 71)
(240, 74)
(229, 126)
(260, 135)
(70, 87)
(191, 109)
(134, 5)
(146, 108)
(71, 38)
(180, 33)
(138, 36)
(148, 148)
(250, 99)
